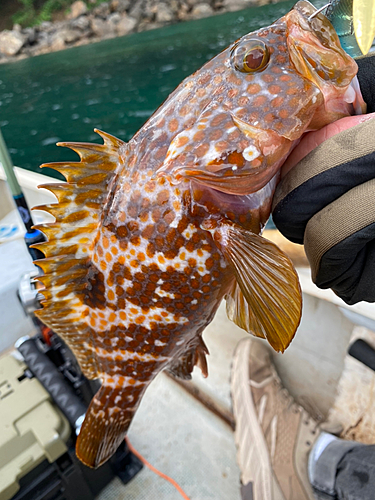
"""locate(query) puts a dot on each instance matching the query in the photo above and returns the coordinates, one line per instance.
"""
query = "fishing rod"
(32, 235)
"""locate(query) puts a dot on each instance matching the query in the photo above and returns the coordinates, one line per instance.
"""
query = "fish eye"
(250, 56)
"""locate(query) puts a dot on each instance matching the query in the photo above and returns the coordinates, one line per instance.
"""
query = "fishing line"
(319, 11)
(155, 470)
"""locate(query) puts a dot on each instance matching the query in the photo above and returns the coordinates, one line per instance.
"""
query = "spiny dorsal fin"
(70, 237)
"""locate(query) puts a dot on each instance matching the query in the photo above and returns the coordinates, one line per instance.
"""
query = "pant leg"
(355, 478)
(323, 466)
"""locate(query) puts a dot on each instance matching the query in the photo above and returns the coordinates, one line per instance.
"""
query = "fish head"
(265, 91)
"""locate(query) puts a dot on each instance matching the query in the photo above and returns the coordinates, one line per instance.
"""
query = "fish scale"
(152, 234)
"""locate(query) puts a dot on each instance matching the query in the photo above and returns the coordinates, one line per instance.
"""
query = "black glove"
(327, 203)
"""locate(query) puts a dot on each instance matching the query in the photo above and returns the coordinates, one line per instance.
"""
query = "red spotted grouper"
(152, 234)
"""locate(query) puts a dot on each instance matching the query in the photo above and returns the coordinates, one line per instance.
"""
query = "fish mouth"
(316, 54)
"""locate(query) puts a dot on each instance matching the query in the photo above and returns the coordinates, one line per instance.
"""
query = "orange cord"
(151, 467)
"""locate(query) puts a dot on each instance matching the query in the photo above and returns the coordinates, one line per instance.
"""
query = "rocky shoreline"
(109, 20)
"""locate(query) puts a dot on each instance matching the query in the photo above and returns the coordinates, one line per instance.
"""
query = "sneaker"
(273, 434)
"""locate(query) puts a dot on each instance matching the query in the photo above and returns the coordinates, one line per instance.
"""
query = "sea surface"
(114, 85)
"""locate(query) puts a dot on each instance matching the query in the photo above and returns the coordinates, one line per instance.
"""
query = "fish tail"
(108, 418)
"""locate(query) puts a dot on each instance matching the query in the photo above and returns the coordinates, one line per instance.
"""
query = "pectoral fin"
(267, 300)
(238, 311)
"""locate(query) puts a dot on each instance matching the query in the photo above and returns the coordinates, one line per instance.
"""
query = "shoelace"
(277, 382)
(263, 383)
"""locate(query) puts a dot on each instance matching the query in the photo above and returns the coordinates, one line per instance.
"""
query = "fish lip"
(350, 92)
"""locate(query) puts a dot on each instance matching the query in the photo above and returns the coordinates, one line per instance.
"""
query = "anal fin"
(183, 366)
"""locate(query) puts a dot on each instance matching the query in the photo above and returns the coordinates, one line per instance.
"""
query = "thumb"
(312, 139)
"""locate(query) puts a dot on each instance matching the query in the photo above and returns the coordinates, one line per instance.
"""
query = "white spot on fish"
(112, 380)
(250, 153)
(163, 293)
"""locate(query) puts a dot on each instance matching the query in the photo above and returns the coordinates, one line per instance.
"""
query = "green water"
(114, 85)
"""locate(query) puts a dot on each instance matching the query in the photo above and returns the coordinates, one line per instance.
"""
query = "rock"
(149, 12)
(77, 9)
(233, 5)
(71, 35)
(102, 10)
(112, 22)
(137, 10)
(41, 45)
(119, 6)
(57, 42)
(201, 10)
(152, 26)
(174, 5)
(17, 27)
(30, 35)
(101, 28)
(47, 27)
(193, 3)
(4, 59)
(114, 18)
(182, 14)
(82, 23)
(11, 42)
(126, 25)
(164, 14)
(36, 50)
(42, 38)
(218, 6)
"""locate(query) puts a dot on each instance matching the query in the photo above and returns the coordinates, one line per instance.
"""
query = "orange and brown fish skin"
(151, 235)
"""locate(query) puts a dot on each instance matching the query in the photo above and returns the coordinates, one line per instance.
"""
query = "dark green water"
(114, 85)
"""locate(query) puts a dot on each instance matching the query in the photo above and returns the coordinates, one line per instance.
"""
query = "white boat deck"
(189, 437)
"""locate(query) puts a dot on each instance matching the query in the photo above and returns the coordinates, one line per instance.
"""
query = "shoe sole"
(252, 451)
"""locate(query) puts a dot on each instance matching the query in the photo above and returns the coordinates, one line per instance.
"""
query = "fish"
(151, 235)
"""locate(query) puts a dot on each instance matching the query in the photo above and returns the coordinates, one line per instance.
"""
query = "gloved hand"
(326, 200)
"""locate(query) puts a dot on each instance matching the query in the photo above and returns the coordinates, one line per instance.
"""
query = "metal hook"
(319, 11)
